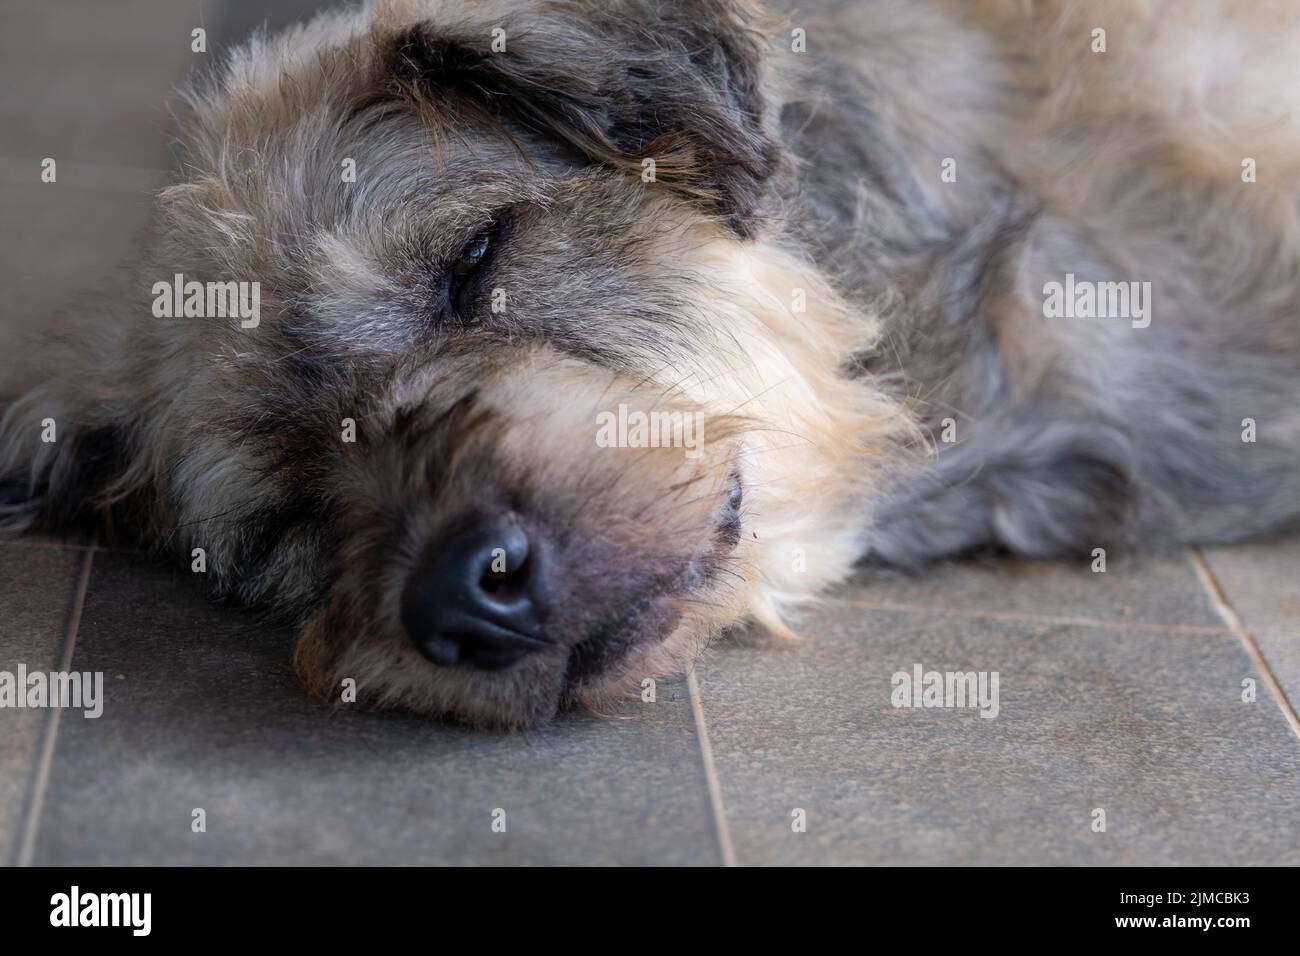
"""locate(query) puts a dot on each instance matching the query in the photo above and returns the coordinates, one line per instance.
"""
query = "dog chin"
(598, 674)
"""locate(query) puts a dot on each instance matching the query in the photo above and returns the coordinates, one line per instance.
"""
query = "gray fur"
(778, 170)
(1104, 435)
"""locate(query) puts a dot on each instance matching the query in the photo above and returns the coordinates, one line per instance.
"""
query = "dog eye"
(467, 268)
(472, 256)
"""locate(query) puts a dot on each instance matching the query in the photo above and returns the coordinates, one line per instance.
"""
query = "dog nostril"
(479, 597)
(505, 585)
(507, 566)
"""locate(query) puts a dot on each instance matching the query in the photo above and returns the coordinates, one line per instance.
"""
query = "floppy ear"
(621, 82)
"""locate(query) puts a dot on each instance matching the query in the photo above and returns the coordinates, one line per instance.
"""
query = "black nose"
(479, 597)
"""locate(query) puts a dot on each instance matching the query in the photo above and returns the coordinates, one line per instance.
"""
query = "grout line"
(1107, 623)
(37, 804)
(1238, 627)
(711, 772)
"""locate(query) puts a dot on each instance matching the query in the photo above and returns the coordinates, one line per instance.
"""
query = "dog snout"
(480, 597)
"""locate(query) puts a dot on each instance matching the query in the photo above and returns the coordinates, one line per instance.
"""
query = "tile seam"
(36, 804)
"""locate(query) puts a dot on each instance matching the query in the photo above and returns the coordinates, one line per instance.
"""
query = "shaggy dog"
(586, 330)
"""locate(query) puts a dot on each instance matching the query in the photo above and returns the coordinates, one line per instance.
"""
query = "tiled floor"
(206, 713)
(1131, 703)
(1119, 691)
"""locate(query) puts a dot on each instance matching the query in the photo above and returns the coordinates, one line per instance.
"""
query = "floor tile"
(1148, 726)
(1155, 589)
(1282, 653)
(1261, 581)
(202, 711)
(36, 591)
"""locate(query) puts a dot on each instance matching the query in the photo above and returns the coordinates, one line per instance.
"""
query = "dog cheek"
(703, 618)
(820, 440)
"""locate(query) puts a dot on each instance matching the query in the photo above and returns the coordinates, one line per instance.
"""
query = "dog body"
(1122, 165)
(483, 233)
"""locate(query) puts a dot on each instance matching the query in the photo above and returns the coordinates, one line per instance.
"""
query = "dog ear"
(623, 83)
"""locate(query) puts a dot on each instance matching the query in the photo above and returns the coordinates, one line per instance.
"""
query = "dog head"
(536, 399)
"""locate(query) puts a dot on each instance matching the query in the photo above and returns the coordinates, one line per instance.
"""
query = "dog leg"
(1064, 490)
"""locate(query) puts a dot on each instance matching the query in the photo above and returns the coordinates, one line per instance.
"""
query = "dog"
(587, 331)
